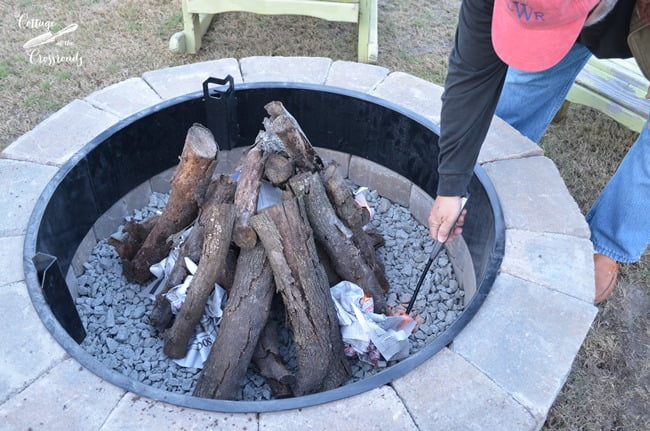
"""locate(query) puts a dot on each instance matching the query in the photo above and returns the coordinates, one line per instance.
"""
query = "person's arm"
(472, 88)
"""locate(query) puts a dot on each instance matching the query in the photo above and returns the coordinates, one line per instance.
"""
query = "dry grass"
(608, 388)
(123, 38)
(118, 39)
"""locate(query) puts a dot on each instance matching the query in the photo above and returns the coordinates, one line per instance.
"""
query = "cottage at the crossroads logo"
(50, 46)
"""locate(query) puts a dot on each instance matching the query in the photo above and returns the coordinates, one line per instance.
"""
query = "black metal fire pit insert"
(149, 142)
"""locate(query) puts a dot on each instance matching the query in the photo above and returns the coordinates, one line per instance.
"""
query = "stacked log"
(293, 249)
(197, 162)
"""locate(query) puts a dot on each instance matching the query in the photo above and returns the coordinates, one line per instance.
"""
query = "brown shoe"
(606, 270)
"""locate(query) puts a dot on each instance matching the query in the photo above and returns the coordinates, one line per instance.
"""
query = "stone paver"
(461, 260)
(448, 393)
(534, 197)
(180, 80)
(72, 282)
(524, 338)
(84, 250)
(12, 259)
(312, 70)
(22, 184)
(228, 160)
(124, 98)
(505, 142)
(68, 397)
(355, 76)
(412, 93)
(107, 224)
(560, 262)
(56, 139)
(162, 183)
(420, 204)
(388, 183)
(136, 413)
(342, 160)
(27, 350)
(378, 409)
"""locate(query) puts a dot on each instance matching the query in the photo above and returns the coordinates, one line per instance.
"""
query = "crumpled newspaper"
(367, 333)
(162, 269)
(206, 330)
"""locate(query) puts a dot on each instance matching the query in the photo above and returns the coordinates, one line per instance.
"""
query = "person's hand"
(442, 217)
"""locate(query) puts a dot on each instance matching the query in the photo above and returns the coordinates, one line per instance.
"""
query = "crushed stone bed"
(115, 313)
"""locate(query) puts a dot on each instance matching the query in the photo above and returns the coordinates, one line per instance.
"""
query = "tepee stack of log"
(296, 248)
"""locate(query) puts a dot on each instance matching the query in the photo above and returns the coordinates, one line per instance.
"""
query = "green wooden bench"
(615, 87)
(197, 15)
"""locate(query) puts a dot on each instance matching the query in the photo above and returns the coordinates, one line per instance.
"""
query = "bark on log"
(376, 239)
(268, 140)
(366, 246)
(279, 390)
(302, 283)
(340, 194)
(333, 277)
(217, 220)
(296, 143)
(133, 235)
(220, 190)
(342, 198)
(226, 275)
(248, 187)
(191, 249)
(268, 360)
(278, 169)
(161, 315)
(197, 162)
(332, 234)
(243, 321)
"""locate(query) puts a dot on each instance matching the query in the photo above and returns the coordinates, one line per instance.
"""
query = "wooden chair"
(197, 15)
(615, 87)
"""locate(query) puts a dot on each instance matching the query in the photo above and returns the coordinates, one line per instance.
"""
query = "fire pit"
(496, 374)
(148, 143)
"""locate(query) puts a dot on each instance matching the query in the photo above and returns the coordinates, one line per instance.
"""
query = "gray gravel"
(405, 254)
(115, 314)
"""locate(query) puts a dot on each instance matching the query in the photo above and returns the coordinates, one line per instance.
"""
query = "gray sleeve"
(472, 88)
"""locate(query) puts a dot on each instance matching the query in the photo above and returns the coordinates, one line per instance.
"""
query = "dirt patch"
(608, 386)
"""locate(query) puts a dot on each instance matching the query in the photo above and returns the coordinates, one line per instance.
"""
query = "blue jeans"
(620, 218)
